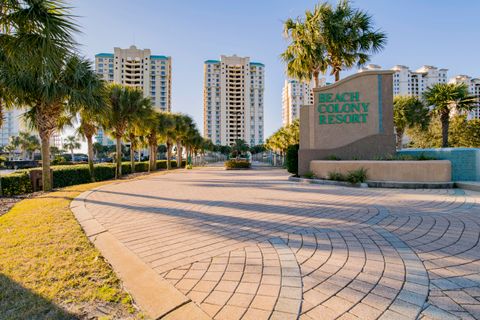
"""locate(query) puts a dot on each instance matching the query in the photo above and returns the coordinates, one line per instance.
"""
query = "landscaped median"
(237, 164)
(49, 268)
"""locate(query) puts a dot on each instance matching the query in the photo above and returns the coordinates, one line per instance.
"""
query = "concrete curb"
(327, 182)
(158, 298)
(380, 184)
(468, 185)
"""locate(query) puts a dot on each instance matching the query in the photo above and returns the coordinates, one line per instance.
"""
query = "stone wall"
(394, 171)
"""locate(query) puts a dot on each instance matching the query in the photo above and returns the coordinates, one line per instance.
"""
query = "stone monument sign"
(350, 119)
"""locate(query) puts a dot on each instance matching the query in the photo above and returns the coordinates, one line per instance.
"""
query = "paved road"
(251, 245)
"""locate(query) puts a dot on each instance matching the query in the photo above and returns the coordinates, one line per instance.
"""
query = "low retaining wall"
(465, 161)
(396, 171)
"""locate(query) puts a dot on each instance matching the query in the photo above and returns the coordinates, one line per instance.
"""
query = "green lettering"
(322, 119)
(355, 96)
(364, 117)
(330, 108)
(331, 119)
(365, 106)
(355, 118)
(340, 118)
(320, 108)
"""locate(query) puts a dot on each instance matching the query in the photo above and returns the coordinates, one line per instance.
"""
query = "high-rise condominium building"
(11, 126)
(233, 100)
(408, 82)
(294, 95)
(137, 68)
(474, 89)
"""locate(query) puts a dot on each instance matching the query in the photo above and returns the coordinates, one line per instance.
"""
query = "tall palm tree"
(37, 66)
(339, 38)
(71, 143)
(349, 36)
(305, 55)
(165, 127)
(92, 114)
(125, 104)
(408, 111)
(446, 97)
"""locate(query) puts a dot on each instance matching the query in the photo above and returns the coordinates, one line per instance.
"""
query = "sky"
(442, 33)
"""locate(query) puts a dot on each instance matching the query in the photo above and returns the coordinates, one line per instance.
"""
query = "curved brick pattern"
(256, 282)
(250, 244)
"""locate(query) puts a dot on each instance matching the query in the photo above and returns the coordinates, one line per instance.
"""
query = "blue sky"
(436, 32)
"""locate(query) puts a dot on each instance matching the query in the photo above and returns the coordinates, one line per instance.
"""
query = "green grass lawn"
(48, 267)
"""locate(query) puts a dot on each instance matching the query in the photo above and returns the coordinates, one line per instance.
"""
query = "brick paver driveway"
(252, 245)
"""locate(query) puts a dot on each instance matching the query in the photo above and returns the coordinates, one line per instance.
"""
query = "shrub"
(70, 175)
(336, 176)
(309, 175)
(332, 157)
(237, 164)
(357, 176)
(142, 166)
(189, 166)
(162, 164)
(291, 160)
(59, 161)
(104, 171)
(16, 183)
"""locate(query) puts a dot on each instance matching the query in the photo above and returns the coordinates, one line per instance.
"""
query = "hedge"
(237, 164)
(68, 175)
(162, 164)
(16, 183)
(291, 160)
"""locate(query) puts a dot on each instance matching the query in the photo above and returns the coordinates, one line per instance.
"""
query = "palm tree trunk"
(337, 75)
(132, 157)
(169, 154)
(118, 169)
(445, 119)
(73, 156)
(90, 157)
(46, 177)
(151, 159)
(315, 79)
(399, 134)
(179, 154)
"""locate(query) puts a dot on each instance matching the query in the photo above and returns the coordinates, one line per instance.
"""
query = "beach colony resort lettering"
(343, 107)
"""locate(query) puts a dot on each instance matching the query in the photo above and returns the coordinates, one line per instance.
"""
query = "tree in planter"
(124, 106)
(445, 97)
(71, 143)
(239, 147)
(408, 111)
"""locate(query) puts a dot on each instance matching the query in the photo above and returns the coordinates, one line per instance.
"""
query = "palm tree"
(338, 38)
(125, 104)
(37, 66)
(349, 36)
(408, 111)
(92, 114)
(182, 126)
(71, 143)
(445, 97)
(165, 128)
(305, 55)
(27, 142)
